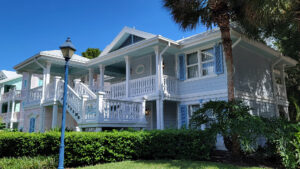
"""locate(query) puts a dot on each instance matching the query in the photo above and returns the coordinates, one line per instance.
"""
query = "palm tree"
(189, 13)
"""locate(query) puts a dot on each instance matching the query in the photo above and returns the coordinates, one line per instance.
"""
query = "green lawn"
(166, 164)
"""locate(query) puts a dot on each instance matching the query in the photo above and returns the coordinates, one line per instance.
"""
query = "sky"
(30, 26)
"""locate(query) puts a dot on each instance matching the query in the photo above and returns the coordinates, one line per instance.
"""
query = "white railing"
(12, 94)
(170, 85)
(91, 110)
(82, 89)
(142, 86)
(115, 91)
(33, 96)
(74, 102)
(50, 92)
(122, 111)
(280, 91)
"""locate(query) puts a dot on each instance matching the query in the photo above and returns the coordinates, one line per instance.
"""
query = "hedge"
(83, 148)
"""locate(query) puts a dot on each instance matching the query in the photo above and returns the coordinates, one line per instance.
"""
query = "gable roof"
(58, 54)
(6, 75)
(122, 36)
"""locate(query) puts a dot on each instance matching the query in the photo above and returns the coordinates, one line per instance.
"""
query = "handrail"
(82, 89)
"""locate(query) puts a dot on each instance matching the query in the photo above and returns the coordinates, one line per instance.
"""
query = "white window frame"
(200, 64)
(195, 64)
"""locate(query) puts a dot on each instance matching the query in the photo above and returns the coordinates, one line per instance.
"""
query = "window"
(192, 65)
(207, 61)
(203, 63)
(193, 108)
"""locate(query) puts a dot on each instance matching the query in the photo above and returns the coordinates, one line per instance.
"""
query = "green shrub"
(91, 148)
(283, 141)
(28, 163)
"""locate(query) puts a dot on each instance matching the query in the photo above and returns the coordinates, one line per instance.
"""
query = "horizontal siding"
(203, 85)
(252, 73)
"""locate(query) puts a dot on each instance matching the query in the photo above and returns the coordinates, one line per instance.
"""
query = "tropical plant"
(91, 53)
(231, 119)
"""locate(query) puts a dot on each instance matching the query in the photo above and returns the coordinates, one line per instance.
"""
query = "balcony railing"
(280, 92)
(139, 87)
(12, 94)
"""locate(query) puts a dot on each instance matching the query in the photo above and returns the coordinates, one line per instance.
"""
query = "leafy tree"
(279, 20)
(91, 53)
(233, 121)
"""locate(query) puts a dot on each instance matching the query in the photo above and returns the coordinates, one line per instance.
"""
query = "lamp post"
(67, 50)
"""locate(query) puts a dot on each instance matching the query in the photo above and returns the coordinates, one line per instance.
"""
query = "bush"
(92, 148)
(28, 163)
(283, 140)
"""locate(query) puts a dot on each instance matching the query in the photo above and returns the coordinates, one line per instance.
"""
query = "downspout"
(274, 85)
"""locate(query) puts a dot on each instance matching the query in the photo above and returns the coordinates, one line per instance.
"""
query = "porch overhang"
(37, 63)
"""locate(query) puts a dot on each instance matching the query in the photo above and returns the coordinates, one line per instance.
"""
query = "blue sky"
(30, 26)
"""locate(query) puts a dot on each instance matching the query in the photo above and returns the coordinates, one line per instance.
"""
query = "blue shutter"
(181, 60)
(183, 115)
(219, 68)
(32, 125)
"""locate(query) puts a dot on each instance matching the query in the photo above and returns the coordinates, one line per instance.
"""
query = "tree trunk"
(236, 147)
(224, 25)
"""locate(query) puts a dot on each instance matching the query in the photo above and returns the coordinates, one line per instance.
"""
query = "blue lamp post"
(67, 50)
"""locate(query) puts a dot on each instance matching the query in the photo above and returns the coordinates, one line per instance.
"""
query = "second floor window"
(200, 61)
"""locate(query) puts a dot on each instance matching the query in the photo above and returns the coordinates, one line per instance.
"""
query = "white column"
(127, 75)
(159, 114)
(283, 79)
(12, 114)
(56, 80)
(91, 77)
(101, 82)
(46, 79)
(100, 98)
(158, 73)
(54, 116)
(42, 120)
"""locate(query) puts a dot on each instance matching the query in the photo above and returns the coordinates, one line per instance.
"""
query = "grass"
(166, 164)
(28, 163)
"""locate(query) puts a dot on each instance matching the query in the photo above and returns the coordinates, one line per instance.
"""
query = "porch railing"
(114, 111)
(280, 90)
(170, 85)
(12, 94)
(142, 86)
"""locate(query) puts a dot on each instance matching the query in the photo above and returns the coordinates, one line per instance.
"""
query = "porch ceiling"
(57, 67)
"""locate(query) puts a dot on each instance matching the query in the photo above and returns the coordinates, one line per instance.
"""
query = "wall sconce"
(147, 112)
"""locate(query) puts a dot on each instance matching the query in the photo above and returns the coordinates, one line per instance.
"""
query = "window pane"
(193, 108)
(192, 58)
(193, 71)
(208, 68)
(207, 55)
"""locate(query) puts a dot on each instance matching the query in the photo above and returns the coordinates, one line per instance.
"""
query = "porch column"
(54, 116)
(159, 114)
(7, 118)
(90, 77)
(12, 114)
(127, 74)
(46, 79)
(42, 120)
(101, 79)
(1, 91)
(158, 70)
(283, 79)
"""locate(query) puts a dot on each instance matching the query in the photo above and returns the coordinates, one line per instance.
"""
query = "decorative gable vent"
(131, 39)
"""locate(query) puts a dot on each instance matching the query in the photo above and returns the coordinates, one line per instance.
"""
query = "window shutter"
(219, 68)
(183, 115)
(32, 125)
(181, 67)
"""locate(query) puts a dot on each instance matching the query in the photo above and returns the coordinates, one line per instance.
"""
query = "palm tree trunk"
(224, 25)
